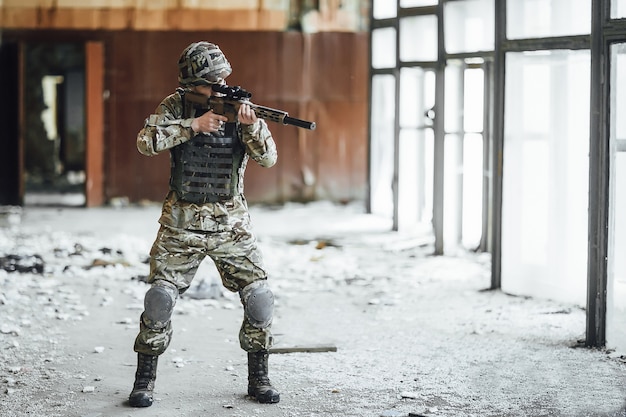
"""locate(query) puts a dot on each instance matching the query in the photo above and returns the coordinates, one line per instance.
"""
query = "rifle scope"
(235, 93)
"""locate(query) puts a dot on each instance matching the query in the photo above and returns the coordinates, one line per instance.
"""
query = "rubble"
(22, 263)
(365, 324)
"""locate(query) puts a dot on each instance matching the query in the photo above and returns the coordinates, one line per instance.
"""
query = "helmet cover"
(202, 63)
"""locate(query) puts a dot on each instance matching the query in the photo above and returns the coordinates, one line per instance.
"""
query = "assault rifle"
(228, 105)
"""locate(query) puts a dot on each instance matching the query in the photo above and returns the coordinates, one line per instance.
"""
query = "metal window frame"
(604, 32)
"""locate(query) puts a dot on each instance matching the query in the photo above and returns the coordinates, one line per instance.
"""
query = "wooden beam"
(304, 349)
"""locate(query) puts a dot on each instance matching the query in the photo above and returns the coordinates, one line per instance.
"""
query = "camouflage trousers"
(177, 253)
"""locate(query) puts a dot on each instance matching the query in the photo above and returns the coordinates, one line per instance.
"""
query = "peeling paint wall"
(186, 15)
(308, 57)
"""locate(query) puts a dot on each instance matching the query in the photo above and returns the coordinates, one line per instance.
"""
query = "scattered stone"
(407, 394)
(205, 290)
(103, 262)
(106, 301)
(10, 216)
(10, 329)
(78, 250)
(22, 263)
(119, 202)
(140, 278)
(98, 349)
(109, 251)
(392, 413)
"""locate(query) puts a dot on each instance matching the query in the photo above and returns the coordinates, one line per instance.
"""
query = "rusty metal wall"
(320, 77)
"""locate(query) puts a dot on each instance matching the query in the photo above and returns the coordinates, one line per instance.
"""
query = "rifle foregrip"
(299, 123)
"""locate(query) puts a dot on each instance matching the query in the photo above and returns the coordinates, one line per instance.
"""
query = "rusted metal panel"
(319, 77)
(94, 63)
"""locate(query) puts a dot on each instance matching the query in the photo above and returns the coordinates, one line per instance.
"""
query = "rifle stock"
(229, 107)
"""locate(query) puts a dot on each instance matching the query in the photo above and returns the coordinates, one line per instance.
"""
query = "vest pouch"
(205, 168)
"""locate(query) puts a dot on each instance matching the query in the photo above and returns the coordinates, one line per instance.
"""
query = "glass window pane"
(464, 98)
(382, 119)
(618, 95)
(415, 180)
(546, 175)
(417, 3)
(417, 97)
(384, 48)
(463, 177)
(546, 18)
(418, 38)
(616, 286)
(453, 121)
(474, 98)
(473, 176)
(616, 274)
(469, 26)
(384, 9)
(618, 9)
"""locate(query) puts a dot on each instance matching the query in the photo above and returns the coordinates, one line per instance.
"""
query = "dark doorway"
(54, 124)
(10, 156)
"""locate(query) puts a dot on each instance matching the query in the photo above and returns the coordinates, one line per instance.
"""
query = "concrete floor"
(415, 335)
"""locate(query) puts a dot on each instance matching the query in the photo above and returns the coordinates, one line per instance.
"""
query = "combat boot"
(141, 396)
(259, 385)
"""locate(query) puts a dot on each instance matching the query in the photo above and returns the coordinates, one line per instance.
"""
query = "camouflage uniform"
(205, 214)
(189, 232)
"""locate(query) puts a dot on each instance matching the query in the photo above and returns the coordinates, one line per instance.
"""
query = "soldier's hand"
(209, 122)
(246, 115)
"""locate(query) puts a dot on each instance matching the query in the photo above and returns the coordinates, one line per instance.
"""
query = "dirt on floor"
(372, 324)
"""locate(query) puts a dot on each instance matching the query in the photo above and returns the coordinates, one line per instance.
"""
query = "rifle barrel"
(305, 124)
(280, 116)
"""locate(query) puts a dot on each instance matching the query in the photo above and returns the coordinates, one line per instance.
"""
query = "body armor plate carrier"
(206, 168)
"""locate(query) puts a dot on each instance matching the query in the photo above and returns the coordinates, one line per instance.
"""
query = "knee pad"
(258, 304)
(159, 304)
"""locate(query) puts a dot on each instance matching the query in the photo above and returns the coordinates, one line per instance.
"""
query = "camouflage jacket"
(167, 128)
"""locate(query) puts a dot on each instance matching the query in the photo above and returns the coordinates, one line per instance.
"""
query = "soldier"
(205, 214)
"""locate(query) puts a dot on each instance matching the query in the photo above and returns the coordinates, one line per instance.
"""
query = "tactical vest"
(206, 169)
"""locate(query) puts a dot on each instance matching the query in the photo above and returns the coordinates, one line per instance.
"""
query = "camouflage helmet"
(202, 63)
